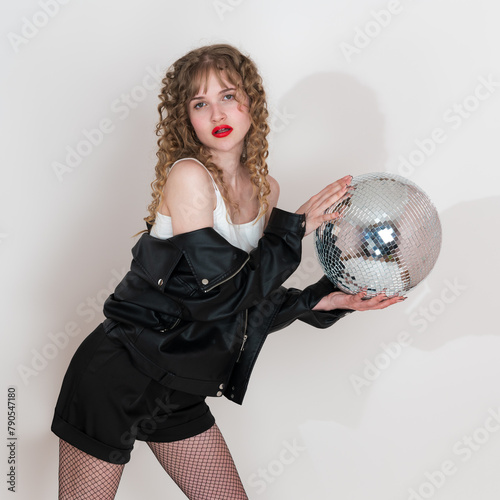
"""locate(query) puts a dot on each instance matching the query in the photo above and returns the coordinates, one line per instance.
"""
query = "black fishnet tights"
(201, 466)
(82, 476)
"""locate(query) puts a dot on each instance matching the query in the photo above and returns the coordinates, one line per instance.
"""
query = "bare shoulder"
(188, 171)
(188, 179)
(189, 197)
(275, 192)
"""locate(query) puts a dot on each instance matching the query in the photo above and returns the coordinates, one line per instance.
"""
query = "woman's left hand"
(341, 300)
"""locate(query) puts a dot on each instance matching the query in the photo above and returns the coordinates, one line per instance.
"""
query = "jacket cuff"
(298, 304)
(282, 222)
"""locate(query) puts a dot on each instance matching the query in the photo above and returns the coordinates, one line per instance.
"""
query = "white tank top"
(245, 236)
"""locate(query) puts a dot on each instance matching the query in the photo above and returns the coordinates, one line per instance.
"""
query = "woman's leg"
(201, 466)
(84, 476)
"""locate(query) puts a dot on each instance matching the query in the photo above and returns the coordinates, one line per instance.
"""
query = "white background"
(65, 238)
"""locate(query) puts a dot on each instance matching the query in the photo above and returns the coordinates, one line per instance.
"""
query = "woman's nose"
(217, 113)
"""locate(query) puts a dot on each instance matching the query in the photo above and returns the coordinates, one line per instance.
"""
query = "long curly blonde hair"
(176, 136)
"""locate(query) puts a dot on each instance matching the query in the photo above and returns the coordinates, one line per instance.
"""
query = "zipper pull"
(242, 347)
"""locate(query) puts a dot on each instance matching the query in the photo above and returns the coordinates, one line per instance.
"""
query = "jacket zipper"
(171, 327)
(228, 278)
(244, 336)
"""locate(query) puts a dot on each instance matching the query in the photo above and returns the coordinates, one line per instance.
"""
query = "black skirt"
(106, 403)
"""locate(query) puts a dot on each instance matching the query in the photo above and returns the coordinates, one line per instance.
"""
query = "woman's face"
(219, 120)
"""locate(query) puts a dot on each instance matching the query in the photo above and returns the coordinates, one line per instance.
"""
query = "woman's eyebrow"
(221, 92)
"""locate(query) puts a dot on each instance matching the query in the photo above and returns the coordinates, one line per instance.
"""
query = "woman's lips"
(222, 131)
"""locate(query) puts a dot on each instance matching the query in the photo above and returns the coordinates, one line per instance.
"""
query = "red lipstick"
(222, 131)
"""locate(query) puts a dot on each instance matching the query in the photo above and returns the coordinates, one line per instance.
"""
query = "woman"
(203, 292)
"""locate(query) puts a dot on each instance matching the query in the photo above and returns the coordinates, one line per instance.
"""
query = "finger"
(360, 299)
(336, 186)
(397, 296)
(390, 302)
(343, 198)
(333, 188)
(328, 217)
(374, 302)
(395, 299)
(380, 301)
(330, 199)
(327, 197)
(377, 298)
(343, 180)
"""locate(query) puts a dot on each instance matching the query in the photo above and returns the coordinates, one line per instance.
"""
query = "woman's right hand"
(314, 208)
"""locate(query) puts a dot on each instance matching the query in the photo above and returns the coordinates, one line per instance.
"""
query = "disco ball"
(387, 238)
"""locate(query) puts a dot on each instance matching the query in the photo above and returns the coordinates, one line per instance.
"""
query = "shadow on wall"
(468, 257)
(337, 129)
(333, 126)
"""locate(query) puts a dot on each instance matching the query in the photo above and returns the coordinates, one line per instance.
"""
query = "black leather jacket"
(194, 310)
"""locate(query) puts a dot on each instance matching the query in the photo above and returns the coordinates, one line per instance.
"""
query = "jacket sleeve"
(298, 304)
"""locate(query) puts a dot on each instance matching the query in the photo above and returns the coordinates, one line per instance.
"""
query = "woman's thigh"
(202, 466)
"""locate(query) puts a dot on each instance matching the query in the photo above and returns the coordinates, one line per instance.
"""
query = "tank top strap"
(198, 161)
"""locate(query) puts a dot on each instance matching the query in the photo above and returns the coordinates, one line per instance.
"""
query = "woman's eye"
(228, 97)
(199, 105)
